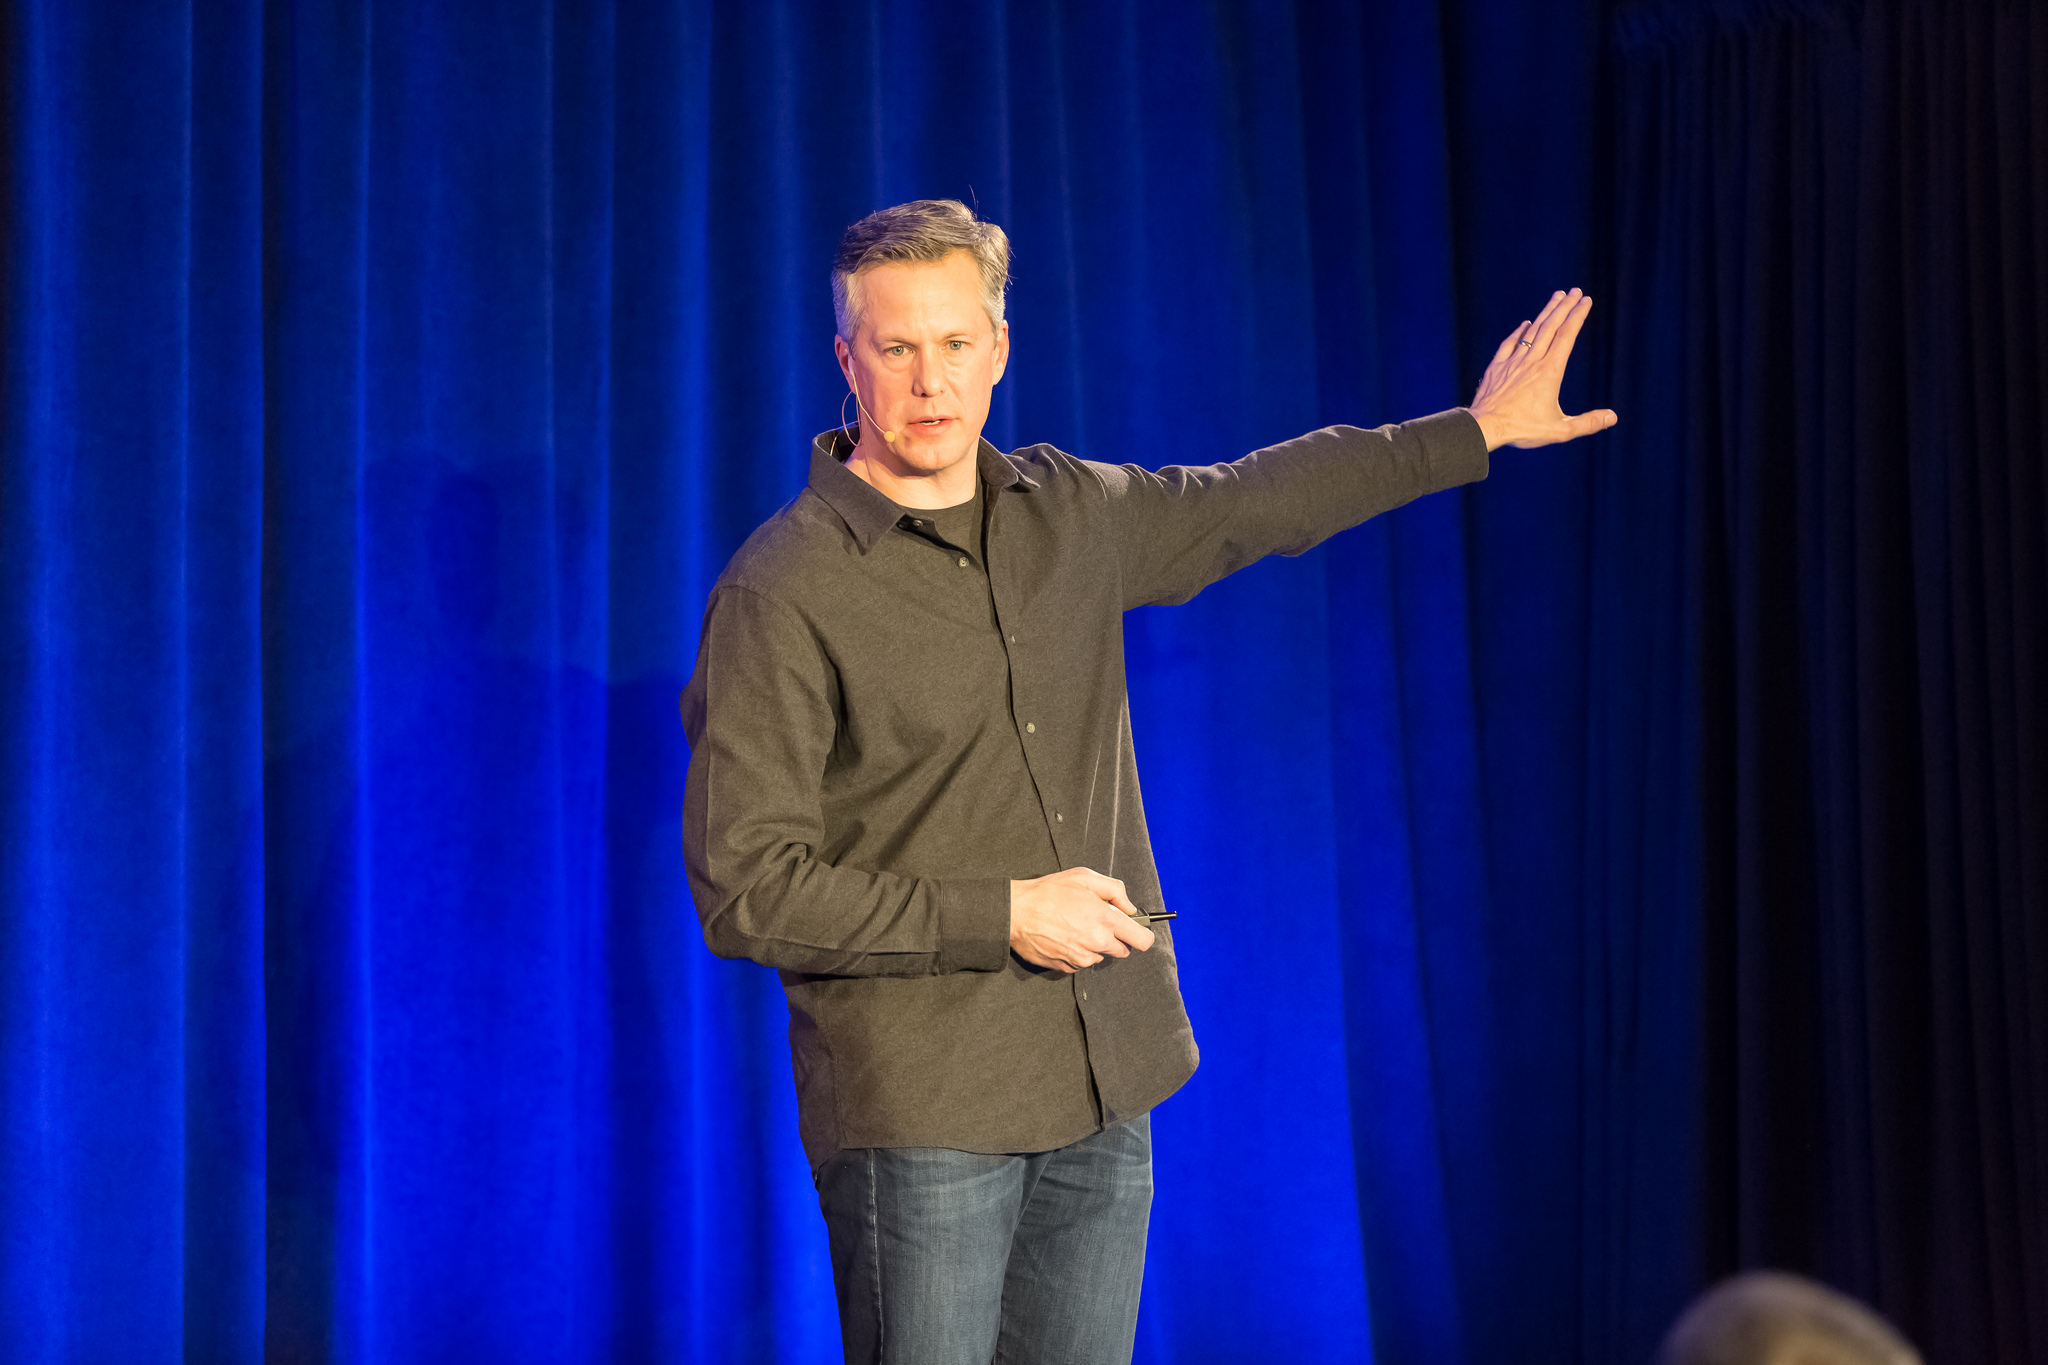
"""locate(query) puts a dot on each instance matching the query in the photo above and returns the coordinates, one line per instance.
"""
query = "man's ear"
(1002, 351)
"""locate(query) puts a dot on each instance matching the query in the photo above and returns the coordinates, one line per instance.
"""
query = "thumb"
(1586, 423)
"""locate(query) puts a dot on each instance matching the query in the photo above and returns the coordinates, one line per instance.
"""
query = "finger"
(1558, 299)
(1135, 934)
(1549, 326)
(1568, 331)
(1553, 317)
(1507, 347)
(1572, 428)
(1112, 890)
(1586, 423)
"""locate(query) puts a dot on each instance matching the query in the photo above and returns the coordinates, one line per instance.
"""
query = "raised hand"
(1517, 400)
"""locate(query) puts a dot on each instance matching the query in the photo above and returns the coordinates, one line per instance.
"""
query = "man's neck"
(910, 487)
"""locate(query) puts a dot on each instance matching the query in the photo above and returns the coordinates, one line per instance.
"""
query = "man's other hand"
(1517, 400)
(1073, 919)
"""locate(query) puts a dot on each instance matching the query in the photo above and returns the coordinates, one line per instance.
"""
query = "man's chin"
(942, 450)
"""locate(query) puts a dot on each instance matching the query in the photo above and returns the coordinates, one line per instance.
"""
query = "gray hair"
(921, 230)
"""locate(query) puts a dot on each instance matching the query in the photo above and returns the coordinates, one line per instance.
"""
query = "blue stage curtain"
(1832, 227)
(385, 384)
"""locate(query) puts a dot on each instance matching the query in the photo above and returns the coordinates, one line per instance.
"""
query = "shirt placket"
(1025, 712)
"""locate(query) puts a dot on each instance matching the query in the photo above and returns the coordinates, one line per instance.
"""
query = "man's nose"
(928, 378)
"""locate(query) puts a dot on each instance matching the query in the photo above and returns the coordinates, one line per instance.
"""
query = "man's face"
(925, 361)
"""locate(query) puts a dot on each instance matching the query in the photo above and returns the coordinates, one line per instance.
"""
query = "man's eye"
(956, 345)
(896, 350)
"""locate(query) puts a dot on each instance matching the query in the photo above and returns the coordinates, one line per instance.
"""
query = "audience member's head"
(1765, 1318)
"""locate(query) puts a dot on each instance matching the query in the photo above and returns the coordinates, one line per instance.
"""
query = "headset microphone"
(888, 436)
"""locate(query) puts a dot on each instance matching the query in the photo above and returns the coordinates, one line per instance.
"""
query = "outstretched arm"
(1178, 529)
(1517, 400)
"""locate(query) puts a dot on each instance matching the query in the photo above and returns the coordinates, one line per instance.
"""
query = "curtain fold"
(131, 916)
(1832, 225)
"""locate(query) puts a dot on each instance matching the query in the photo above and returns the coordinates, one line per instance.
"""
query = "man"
(912, 791)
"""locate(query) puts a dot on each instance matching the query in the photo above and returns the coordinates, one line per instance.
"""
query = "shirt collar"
(867, 511)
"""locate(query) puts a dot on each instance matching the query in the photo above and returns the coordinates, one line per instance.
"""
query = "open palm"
(1517, 400)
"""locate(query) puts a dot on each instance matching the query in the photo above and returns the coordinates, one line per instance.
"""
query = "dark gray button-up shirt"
(887, 726)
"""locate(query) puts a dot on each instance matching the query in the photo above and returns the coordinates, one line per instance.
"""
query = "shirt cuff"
(1454, 446)
(974, 924)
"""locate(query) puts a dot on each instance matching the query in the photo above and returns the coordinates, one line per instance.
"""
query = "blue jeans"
(956, 1258)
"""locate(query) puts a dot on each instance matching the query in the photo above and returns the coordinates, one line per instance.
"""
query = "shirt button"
(1029, 728)
(1013, 639)
(1061, 818)
(963, 561)
(915, 522)
(1084, 995)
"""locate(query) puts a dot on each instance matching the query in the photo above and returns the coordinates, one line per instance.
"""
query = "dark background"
(1636, 871)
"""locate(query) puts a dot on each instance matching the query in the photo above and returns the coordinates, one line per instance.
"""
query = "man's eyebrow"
(962, 335)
